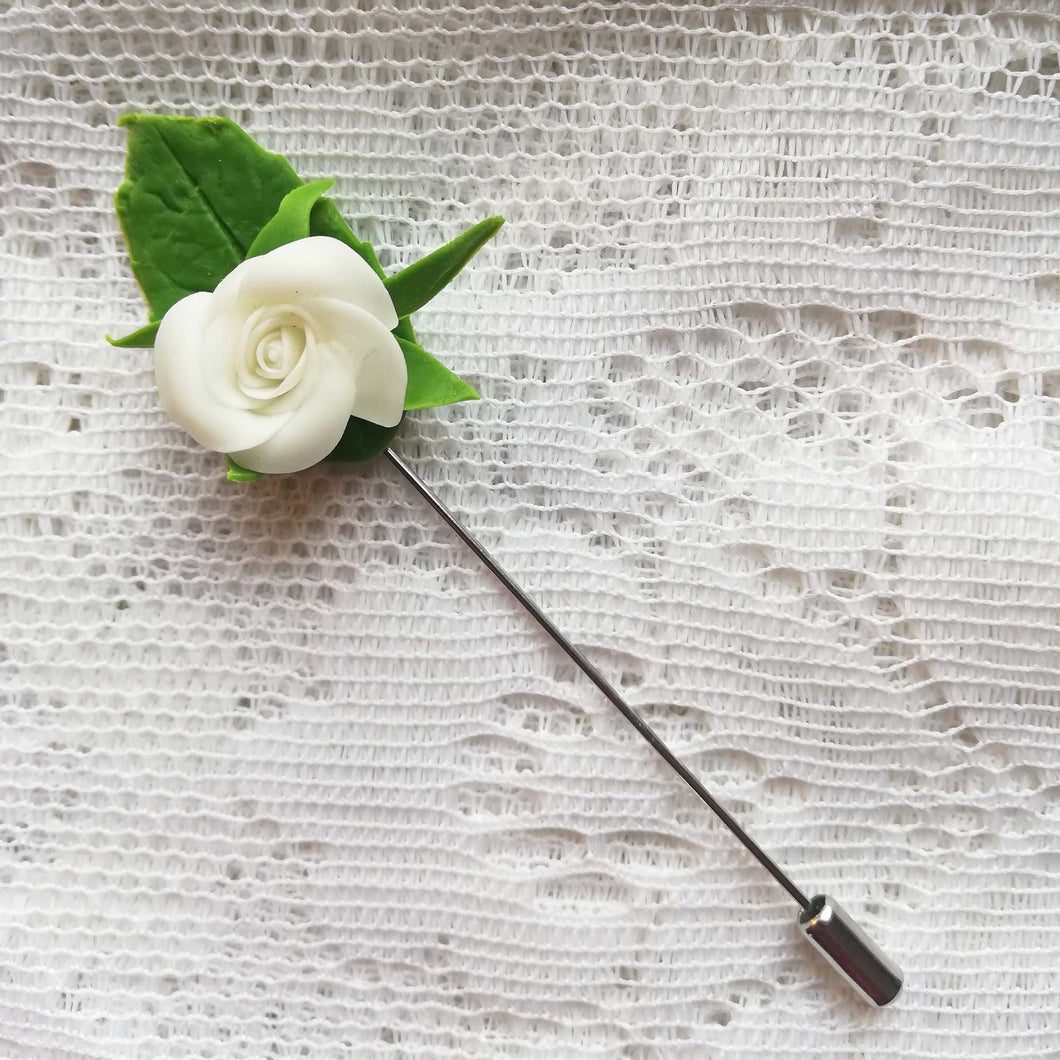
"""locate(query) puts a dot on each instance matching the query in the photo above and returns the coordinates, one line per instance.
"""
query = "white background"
(769, 353)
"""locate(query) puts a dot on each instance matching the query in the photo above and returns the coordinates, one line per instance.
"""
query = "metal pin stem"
(601, 682)
(824, 923)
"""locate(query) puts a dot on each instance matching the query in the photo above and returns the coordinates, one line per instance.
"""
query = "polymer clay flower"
(270, 366)
(278, 338)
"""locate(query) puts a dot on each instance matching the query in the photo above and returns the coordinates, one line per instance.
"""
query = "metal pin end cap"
(835, 934)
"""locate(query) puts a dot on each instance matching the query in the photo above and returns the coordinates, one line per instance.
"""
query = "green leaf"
(240, 474)
(361, 440)
(326, 220)
(141, 338)
(419, 283)
(430, 383)
(291, 220)
(196, 194)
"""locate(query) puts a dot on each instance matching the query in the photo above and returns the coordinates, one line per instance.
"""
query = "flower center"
(273, 349)
(278, 351)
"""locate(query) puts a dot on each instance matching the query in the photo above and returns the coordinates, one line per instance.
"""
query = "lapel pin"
(279, 341)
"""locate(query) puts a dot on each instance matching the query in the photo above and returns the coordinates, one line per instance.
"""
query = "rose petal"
(380, 365)
(312, 431)
(183, 359)
(381, 383)
(317, 266)
(221, 342)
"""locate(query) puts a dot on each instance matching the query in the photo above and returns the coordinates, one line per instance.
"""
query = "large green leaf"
(197, 192)
(430, 383)
(420, 282)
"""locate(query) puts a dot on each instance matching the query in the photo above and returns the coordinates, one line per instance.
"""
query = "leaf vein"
(229, 234)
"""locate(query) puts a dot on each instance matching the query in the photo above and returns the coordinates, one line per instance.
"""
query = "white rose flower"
(271, 365)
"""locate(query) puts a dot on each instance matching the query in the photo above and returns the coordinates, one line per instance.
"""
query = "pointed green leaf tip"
(240, 474)
(141, 338)
(430, 383)
(291, 220)
(415, 286)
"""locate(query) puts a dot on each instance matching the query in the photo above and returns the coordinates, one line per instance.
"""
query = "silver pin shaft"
(601, 682)
(857, 971)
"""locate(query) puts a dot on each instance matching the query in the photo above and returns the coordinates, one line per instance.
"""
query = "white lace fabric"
(769, 352)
